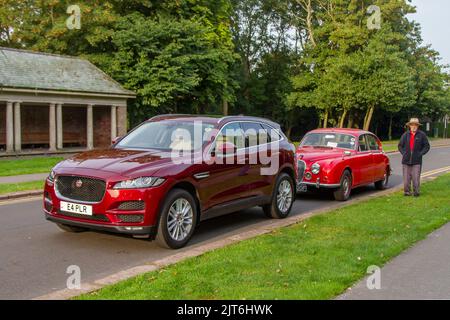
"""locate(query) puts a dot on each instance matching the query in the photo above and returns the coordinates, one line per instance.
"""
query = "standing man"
(413, 146)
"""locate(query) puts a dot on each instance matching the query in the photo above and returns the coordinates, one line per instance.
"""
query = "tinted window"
(373, 144)
(252, 131)
(166, 135)
(363, 143)
(272, 133)
(231, 133)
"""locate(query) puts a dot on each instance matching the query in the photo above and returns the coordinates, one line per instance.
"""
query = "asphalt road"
(35, 254)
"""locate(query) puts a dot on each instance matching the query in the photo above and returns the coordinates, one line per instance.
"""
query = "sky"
(434, 18)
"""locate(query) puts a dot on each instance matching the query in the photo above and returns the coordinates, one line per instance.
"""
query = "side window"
(231, 133)
(363, 143)
(252, 131)
(373, 144)
(272, 133)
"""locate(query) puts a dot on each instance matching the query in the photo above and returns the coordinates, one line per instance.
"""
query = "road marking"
(436, 171)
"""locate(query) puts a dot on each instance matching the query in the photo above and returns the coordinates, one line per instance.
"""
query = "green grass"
(389, 146)
(23, 186)
(28, 166)
(318, 258)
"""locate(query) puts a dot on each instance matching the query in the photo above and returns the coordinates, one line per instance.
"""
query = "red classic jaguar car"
(341, 160)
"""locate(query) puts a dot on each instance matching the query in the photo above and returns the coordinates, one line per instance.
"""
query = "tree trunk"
(368, 118)
(309, 23)
(342, 119)
(350, 121)
(390, 128)
(225, 107)
(325, 119)
(289, 131)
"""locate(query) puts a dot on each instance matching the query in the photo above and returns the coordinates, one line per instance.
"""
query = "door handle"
(201, 175)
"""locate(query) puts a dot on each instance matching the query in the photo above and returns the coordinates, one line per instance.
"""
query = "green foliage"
(172, 63)
(176, 55)
(351, 70)
(295, 61)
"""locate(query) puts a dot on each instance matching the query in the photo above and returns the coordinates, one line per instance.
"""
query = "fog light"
(308, 176)
(133, 228)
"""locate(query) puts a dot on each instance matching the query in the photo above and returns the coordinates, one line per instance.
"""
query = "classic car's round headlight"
(315, 168)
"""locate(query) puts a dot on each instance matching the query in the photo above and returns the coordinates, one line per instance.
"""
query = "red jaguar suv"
(171, 172)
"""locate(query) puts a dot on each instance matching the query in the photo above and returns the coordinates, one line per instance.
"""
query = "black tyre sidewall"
(163, 238)
(274, 211)
(340, 193)
(383, 184)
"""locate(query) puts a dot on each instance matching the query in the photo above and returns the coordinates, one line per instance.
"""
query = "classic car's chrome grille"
(131, 206)
(131, 218)
(301, 169)
(80, 188)
(95, 217)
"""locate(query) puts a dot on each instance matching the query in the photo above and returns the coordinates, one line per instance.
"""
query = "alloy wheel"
(284, 196)
(180, 219)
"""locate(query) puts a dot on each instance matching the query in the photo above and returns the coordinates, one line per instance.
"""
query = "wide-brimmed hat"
(414, 121)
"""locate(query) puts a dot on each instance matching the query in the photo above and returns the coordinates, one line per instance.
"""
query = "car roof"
(217, 120)
(355, 132)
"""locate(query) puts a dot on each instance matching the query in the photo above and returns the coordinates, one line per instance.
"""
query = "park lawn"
(390, 146)
(28, 166)
(318, 258)
(23, 186)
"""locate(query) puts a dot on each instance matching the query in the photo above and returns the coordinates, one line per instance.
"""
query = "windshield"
(168, 135)
(329, 140)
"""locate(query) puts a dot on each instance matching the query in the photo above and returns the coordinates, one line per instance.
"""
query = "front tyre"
(345, 188)
(383, 184)
(282, 198)
(177, 220)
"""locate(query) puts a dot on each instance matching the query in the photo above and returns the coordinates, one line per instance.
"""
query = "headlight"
(51, 176)
(138, 183)
(315, 168)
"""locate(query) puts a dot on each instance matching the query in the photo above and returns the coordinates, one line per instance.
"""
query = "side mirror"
(347, 153)
(116, 139)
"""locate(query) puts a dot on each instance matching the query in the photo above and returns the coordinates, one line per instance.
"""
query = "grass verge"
(316, 259)
(28, 166)
(23, 186)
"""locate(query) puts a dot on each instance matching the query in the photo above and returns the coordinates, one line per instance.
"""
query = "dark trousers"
(412, 174)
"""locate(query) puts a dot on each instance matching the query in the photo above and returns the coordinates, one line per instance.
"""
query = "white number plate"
(76, 208)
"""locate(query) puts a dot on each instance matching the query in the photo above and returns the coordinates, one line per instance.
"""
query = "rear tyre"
(282, 198)
(71, 229)
(383, 184)
(345, 189)
(177, 220)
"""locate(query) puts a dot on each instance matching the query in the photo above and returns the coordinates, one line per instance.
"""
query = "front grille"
(131, 218)
(80, 188)
(300, 170)
(131, 206)
(95, 217)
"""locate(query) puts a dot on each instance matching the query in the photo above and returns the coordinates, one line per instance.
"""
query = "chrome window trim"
(282, 137)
